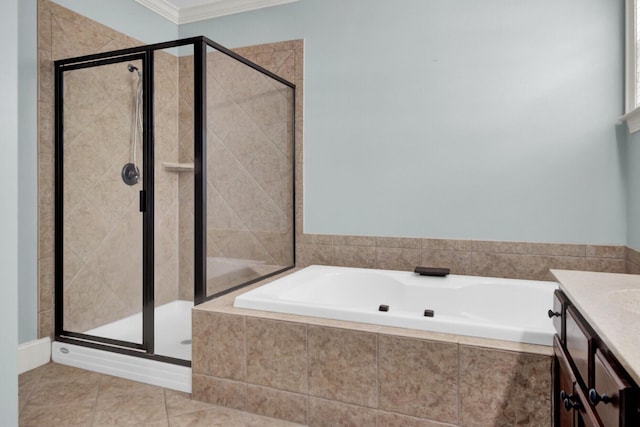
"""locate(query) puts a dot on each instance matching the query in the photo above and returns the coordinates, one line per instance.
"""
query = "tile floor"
(59, 395)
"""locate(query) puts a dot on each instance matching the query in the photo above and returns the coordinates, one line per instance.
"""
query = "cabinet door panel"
(578, 342)
(563, 388)
(557, 313)
(586, 412)
(609, 392)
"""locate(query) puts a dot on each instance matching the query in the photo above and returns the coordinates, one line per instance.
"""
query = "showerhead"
(133, 68)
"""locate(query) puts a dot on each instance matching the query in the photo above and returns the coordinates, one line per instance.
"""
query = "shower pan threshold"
(173, 338)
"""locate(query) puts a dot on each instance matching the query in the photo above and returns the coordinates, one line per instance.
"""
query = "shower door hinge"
(143, 201)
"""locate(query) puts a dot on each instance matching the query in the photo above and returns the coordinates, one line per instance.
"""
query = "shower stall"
(174, 184)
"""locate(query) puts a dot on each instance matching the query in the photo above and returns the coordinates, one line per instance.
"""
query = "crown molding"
(213, 9)
(163, 9)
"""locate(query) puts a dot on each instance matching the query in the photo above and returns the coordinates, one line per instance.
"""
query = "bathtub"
(503, 309)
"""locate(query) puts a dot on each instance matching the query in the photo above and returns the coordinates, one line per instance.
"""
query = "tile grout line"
(166, 410)
(246, 373)
(459, 394)
(94, 410)
(377, 379)
(306, 415)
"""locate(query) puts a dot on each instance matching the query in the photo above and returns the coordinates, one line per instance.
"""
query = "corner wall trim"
(33, 354)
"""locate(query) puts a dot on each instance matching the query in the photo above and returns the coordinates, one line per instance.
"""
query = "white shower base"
(172, 338)
(172, 328)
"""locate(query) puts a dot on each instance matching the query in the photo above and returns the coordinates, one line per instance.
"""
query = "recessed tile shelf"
(177, 167)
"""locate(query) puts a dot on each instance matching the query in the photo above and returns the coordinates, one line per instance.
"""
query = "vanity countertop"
(610, 302)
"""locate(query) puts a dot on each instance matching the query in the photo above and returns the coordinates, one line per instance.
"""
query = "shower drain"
(185, 342)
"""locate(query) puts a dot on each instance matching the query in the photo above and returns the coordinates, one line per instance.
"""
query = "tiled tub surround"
(324, 372)
(516, 260)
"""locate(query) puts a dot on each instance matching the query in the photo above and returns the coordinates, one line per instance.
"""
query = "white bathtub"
(504, 309)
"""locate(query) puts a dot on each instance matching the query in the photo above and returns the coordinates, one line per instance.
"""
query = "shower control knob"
(596, 398)
(130, 174)
(553, 314)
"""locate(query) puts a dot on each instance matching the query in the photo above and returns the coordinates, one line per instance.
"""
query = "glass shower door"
(102, 161)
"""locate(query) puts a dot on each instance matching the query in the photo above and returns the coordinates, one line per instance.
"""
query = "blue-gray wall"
(9, 214)
(465, 119)
(28, 171)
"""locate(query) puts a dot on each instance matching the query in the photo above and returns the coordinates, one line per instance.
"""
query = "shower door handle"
(143, 201)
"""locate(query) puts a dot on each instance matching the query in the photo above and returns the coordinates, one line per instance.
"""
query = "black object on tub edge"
(432, 271)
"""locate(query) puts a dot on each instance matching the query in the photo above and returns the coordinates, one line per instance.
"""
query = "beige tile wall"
(186, 184)
(249, 163)
(309, 372)
(167, 203)
(519, 260)
(102, 224)
(632, 258)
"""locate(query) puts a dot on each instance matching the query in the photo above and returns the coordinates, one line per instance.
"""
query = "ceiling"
(185, 11)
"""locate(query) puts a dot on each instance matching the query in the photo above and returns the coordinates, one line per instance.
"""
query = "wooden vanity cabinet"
(590, 387)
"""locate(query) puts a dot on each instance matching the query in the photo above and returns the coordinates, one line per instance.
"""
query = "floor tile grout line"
(94, 410)
(166, 410)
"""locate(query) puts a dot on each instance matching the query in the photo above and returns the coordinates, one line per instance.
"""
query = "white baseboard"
(33, 354)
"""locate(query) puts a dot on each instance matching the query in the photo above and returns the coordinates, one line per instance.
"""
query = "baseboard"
(33, 354)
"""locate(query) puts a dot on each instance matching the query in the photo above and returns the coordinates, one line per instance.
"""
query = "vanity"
(596, 349)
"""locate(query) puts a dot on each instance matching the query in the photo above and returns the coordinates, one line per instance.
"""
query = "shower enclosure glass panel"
(173, 202)
(102, 178)
(249, 170)
(174, 185)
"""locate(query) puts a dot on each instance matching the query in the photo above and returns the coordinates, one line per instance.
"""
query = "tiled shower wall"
(250, 160)
(100, 213)
(62, 33)
(100, 224)
(102, 269)
(185, 155)
(249, 165)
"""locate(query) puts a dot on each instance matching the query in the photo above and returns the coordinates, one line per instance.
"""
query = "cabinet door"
(579, 344)
(611, 393)
(586, 415)
(558, 312)
(564, 381)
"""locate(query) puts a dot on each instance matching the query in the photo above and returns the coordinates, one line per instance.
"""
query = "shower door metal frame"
(200, 157)
(200, 44)
(146, 206)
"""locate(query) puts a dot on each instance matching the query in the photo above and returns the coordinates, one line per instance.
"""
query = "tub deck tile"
(419, 378)
(276, 354)
(219, 345)
(342, 365)
(329, 413)
(277, 404)
(504, 388)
